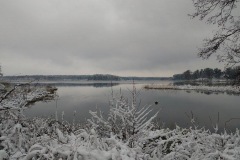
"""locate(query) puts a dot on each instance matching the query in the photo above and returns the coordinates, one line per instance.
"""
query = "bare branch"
(226, 39)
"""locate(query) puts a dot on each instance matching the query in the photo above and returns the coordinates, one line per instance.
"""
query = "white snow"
(228, 89)
(3, 155)
(126, 134)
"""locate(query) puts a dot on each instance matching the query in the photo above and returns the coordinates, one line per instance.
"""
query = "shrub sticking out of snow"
(126, 134)
(124, 120)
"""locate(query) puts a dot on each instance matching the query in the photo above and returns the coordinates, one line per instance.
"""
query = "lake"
(175, 106)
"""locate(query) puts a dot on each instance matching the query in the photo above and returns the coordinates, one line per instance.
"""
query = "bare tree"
(226, 40)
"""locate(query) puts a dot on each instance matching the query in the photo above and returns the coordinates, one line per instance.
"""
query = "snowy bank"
(54, 142)
(222, 89)
(126, 134)
(20, 96)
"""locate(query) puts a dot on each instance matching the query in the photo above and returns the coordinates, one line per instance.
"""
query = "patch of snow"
(3, 155)
(126, 135)
(228, 89)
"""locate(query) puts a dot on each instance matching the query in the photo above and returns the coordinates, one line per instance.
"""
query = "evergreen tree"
(217, 73)
(196, 74)
(187, 75)
(208, 73)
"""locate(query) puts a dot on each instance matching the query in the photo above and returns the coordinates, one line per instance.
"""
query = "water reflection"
(173, 104)
(207, 83)
(71, 84)
(213, 92)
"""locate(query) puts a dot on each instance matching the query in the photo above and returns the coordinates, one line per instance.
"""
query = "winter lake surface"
(175, 106)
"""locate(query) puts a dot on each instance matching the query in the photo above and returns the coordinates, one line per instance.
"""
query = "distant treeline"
(209, 73)
(95, 77)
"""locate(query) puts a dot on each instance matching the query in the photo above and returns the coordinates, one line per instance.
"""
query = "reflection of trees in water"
(207, 83)
(212, 92)
(96, 85)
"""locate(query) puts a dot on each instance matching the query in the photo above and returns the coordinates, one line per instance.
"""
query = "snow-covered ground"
(54, 142)
(228, 89)
(126, 134)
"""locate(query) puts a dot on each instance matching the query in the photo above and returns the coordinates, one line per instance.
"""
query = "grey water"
(175, 107)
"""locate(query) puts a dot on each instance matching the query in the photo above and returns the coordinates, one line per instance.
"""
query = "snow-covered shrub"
(127, 134)
(124, 120)
(181, 144)
(15, 129)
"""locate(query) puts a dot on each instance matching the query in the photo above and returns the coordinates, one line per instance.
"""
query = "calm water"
(174, 106)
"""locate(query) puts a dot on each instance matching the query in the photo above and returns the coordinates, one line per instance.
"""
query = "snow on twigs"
(127, 133)
(22, 95)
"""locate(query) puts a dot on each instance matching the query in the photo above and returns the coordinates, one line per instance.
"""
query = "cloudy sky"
(121, 37)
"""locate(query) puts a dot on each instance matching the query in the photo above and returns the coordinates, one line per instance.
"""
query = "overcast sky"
(120, 37)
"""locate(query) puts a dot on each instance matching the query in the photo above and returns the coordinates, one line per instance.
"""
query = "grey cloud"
(78, 36)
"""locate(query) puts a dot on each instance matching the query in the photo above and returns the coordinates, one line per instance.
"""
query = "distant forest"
(209, 73)
(95, 77)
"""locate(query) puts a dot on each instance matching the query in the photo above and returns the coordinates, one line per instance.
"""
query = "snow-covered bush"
(16, 134)
(124, 120)
(126, 134)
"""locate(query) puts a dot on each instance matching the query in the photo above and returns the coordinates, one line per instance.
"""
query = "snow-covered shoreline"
(222, 89)
(126, 134)
(25, 97)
